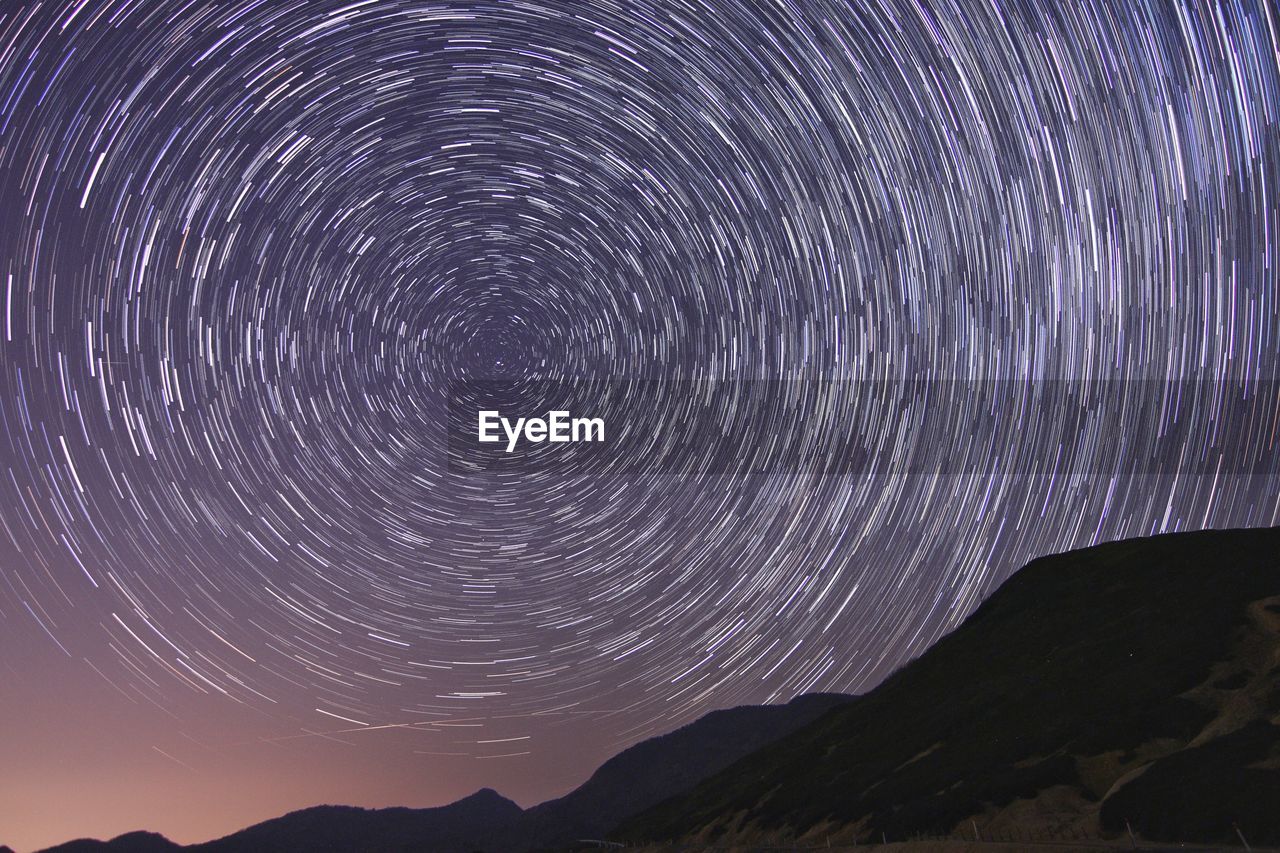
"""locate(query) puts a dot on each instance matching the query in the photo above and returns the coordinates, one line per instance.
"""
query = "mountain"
(341, 829)
(131, 842)
(628, 783)
(1128, 685)
(653, 770)
(345, 829)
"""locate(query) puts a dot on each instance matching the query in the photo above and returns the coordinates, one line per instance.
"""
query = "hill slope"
(649, 772)
(1131, 681)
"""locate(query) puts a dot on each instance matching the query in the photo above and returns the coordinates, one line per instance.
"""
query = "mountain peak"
(486, 798)
(485, 794)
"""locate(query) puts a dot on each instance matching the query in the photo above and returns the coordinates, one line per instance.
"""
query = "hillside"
(651, 771)
(1131, 682)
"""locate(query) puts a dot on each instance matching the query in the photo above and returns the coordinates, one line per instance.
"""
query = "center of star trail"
(247, 249)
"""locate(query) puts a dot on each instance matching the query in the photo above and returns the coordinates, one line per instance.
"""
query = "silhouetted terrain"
(1135, 681)
(651, 771)
(626, 784)
(1130, 684)
(456, 826)
(133, 842)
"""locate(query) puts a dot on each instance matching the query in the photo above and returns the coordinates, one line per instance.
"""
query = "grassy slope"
(1071, 674)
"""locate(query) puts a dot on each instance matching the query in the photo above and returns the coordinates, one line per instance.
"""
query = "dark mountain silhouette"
(628, 783)
(651, 771)
(132, 842)
(1134, 684)
(1129, 684)
(345, 829)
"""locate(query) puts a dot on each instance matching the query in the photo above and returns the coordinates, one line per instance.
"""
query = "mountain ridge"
(634, 779)
(1081, 697)
(1130, 685)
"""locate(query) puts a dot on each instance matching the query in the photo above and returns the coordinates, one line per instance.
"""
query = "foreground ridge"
(1127, 687)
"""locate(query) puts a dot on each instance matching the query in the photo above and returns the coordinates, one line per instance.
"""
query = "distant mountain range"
(1127, 687)
(628, 783)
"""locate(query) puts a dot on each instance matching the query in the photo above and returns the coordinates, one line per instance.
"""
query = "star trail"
(247, 247)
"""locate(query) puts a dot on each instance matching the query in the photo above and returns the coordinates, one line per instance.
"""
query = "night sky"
(247, 248)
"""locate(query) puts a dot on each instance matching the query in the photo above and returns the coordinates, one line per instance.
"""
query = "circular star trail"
(245, 247)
